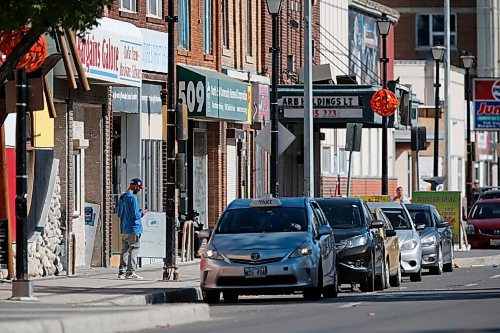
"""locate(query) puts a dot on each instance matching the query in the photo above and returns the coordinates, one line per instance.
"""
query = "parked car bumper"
(430, 256)
(354, 264)
(411, 260)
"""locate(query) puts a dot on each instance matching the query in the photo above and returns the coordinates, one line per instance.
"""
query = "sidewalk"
(96, 300)
(477, 257)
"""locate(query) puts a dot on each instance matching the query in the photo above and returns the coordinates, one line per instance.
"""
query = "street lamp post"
(437, 55)
(274, 7)
(384, 26)
(468, 61)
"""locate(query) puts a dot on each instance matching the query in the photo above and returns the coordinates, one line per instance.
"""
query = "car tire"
(438, 270)
(230, 297)
(387, 275)
(380, 281)
(333, 290)
(395, 280)
(314, 293)
(368, 285)
(416, 277)
(449, 266)
(211, 297)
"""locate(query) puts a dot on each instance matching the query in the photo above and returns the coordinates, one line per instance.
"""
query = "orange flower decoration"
(384, 102)
(31, 60)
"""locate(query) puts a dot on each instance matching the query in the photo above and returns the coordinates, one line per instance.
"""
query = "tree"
(45, 16)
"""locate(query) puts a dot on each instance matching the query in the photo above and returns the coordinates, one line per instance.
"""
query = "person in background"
(197, 226)
(131, 229)
(475, 192)
(400, 197)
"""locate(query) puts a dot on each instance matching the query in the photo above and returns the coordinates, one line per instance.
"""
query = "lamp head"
(274, 6)
(467, 60)
(383, 25)
(438, 52)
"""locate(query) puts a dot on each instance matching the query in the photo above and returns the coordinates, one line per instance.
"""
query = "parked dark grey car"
(436, 238)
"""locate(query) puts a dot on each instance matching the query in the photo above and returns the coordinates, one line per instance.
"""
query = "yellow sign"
(374, 198)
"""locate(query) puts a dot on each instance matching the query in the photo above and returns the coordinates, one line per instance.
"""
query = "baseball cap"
(137, 182)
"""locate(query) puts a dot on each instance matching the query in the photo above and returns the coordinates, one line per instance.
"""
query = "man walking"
(400, 197)
(131, 229)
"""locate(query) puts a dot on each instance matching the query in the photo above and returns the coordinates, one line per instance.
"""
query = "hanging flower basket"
(384, 102)
(31, 60)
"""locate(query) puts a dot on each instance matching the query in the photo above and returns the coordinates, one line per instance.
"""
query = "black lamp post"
(468, 61)
(384, 26)
(274, 6)
(437, 55)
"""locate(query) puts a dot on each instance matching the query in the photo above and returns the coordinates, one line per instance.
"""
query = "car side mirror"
(390, 233)
(420, 226)
(376, 224)
(324, 230)
(442, 224)
(205, 233)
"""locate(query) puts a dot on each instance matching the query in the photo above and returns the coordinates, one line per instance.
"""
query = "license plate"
(495, 242)
(255, 272)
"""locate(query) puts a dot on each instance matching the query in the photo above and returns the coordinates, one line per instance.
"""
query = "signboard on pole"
(487, 104)
(448, 205)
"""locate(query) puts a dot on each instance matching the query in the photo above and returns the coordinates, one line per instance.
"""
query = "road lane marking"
(471, 285)
(349, 305)
(495, 276)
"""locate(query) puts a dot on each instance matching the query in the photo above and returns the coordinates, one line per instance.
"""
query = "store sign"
(151, 98)
(112, 52)
(260, 102)
(487, 104)
(155, 51)
(323, 107)
(126, 99)
(212, 94)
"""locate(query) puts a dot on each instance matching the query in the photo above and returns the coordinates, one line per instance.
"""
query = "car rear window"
(486, 211)
(398, 218)
(421, 216)
(261, 220)
(342, 215)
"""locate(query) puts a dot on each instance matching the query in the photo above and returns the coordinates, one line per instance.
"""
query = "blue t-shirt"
(129, 213)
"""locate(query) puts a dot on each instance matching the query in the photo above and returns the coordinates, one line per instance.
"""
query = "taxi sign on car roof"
(267, 201)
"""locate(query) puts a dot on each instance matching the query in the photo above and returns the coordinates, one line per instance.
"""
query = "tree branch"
(23, 47)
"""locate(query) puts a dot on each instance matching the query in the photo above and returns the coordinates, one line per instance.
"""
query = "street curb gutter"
(181, 295)
(154, 316)
(477, 261)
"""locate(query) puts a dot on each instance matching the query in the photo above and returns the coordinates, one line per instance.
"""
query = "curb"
(157, 316)
(180, 295)
(477, 261)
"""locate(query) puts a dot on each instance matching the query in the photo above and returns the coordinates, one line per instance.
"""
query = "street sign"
(353, 137)
(285, 138)
(487, 104)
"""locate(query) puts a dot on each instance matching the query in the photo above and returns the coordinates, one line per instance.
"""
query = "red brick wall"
(291, 41)
(359, 186)
(405, 35)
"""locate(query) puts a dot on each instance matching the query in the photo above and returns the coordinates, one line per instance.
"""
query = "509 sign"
(193, 94)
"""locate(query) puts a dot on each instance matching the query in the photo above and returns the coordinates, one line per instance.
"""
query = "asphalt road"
(466, 300)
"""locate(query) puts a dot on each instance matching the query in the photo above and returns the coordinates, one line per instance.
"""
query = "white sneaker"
(134, 276)
(121, 276)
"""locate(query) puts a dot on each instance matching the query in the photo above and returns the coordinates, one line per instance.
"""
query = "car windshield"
(398, 218)
(342, 215)
(486, 211)
(421, 216)
(261, 220)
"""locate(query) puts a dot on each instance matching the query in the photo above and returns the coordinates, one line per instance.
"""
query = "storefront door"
(200, 175)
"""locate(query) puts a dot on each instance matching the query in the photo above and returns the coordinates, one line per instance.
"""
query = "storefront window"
(129, 5)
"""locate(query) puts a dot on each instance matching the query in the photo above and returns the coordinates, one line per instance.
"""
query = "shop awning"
(212, 95)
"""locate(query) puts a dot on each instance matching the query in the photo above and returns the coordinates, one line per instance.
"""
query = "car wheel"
(387, 274)
(333, 290)
(416, 277)
(438, 270)
(449, 266)
(230, 297)
(368, 285)
(314, 293)
(211, 297)
(380, 281)
(396, 279)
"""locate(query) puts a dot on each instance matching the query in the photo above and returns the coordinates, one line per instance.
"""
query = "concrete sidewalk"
(476, 257)
(96, 300)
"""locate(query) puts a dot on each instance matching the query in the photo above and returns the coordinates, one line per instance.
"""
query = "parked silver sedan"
(409, 239)
(269, 246)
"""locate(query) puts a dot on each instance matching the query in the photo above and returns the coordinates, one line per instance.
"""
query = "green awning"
(213, 95)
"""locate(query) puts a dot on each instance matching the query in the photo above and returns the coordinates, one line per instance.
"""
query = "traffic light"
(418, 138)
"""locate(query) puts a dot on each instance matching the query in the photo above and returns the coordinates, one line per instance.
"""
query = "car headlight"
(213, 254)
(356, 241)
(304, 249)
(409, 245)
(428, 241)
(470, 229)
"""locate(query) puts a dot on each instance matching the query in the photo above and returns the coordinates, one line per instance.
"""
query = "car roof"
(385, 204)
(487, 201)
(418, 206)
(285, 202)
(345, 200)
